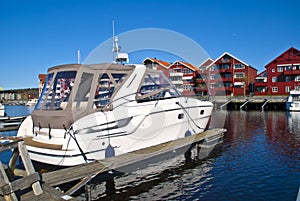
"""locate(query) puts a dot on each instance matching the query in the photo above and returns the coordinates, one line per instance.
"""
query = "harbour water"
(259, 159)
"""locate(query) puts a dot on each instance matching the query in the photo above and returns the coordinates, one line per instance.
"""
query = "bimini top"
(73, 91)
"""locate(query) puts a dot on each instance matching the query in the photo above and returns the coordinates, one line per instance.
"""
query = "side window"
(106, 86)
(156, 86)
(83, 92)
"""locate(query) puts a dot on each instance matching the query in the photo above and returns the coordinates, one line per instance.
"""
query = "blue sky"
(38, 34)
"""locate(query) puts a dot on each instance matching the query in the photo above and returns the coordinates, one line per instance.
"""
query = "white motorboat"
(293, 101)
(32, 102)
(92, 112)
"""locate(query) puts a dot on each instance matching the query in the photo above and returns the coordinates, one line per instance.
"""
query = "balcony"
(291, 72)
(260, 84)
(200, 80)
(223, 70)
(226, 79)
(177, 82)
(176, 74)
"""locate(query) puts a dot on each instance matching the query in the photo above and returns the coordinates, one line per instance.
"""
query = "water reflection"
(168, 179)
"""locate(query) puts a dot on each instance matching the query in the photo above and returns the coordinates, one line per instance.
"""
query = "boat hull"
(107, 134)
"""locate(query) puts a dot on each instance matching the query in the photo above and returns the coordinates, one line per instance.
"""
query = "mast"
(117, 55)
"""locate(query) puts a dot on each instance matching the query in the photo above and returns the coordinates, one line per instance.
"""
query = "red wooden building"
(281, 75)
(228, 75)
(181, 73)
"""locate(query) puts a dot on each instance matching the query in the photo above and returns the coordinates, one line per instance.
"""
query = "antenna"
(113, 39)
(78, 56)
(117, 56)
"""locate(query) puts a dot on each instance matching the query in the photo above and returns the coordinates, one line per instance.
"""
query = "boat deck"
(30, 142)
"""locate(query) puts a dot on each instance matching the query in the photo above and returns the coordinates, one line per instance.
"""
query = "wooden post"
(37, 189)
(3, 182)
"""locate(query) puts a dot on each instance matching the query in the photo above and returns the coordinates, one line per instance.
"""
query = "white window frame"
(297, 78)
(235, 75)
(273, 70)
(288, 88)
(275, 89)
(241, 66)
(279, 69)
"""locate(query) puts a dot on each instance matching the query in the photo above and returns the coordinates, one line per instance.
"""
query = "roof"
(288, 50)
(190, 66)
(207, 62)
(262, 74)
(160, 62)
(226, 53)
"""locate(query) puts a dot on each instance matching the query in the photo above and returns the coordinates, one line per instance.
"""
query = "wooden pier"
(42, 185)
(250, 103)
(10, 123)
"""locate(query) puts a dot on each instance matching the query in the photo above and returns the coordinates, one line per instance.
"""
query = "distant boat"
(2, 110)
(32, 102)
(293, 101)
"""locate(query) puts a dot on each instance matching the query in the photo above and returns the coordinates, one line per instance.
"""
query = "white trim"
(234, 76)
(212, 61)
(187, 77)
(273, 91)
(239, 83)
(284, 64)
(226, 53)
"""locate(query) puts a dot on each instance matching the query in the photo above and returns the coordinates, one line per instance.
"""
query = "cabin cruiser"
(293, 100)
(94, 111)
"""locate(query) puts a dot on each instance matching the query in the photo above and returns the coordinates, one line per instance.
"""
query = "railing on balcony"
(224, 70)
(260, 84)
(226, 79)
(176, 74)
(179, 82)
(291, 72)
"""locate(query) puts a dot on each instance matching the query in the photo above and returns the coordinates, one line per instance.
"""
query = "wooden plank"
(30, 142)
(91, 169)
(4, 182)
(8, 145)
(29, 167)
(21, 183)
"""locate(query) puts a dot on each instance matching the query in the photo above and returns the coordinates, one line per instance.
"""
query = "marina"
(258, 159)
(210, 138)
(250, 103)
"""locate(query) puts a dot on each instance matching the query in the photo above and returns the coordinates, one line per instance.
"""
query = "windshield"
(156, 86)
(56, 92)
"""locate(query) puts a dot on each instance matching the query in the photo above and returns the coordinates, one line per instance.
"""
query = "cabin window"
(156, 86)
(83, 91)
(288, 88)
(54, 95)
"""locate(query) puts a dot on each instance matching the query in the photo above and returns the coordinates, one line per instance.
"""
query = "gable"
(292, 55)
